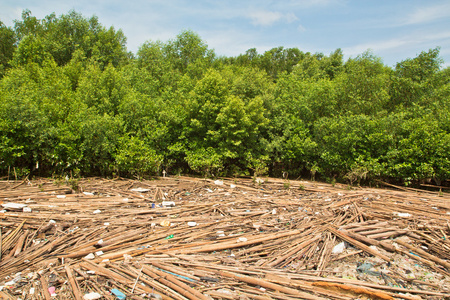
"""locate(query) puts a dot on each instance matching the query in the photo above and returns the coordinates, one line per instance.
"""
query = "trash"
(127, 258)
(403, 215)
(88, 194)
(365, 268)
(232, 186)
(165, 223)
(52, 291)
(234, 249)
(26, 209)
(90, 256)
(97, 211)
(118, 294)
(14, 206)
(92, 296)
(168, 204)
(140, 190)
(60, 196)
(339, 248)
(259, 180)
(218, 182)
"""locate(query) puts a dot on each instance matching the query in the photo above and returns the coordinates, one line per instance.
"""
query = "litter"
(250, 242)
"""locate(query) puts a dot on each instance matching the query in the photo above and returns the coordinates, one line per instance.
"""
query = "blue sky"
(392, 29)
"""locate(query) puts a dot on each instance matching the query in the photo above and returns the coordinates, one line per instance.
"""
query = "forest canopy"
(75, 102)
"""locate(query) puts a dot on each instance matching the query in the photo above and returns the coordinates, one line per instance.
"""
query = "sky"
(393, 30)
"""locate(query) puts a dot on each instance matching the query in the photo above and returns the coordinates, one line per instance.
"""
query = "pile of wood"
(190, 238)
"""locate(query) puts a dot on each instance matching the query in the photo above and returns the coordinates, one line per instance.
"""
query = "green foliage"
(7, 47)
(74, 102)
(59, 38)
(136, 158)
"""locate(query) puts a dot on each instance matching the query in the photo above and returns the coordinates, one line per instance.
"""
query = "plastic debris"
(88, 194)
(339, 248)
(52, 291)
(90, 256)
(92, 296)
(168, 204)
(118, 294)
(60, 196)
(218, 182)
(140, 190)
(192, 224)
(402, 215)
(14, 206)
(259, 181)
(241, 239)
(165, 223)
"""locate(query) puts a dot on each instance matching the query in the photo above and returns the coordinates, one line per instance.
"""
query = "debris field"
(192, 238)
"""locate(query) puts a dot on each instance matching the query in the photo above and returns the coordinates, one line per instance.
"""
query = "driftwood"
(188, 238)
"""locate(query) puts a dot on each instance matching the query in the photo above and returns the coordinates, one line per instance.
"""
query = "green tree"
(7, 47)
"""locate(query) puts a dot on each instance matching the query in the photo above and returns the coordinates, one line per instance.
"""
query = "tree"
(7, 48)
(187, 49)
(414, 79)
(61, 37)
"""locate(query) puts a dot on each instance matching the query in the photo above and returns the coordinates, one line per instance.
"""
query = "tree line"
(75, 101)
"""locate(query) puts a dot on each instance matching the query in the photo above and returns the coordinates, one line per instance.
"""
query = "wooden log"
(174, 284)
(45, 289)
(355, 290)
(73, 284)
(20, 242)
(269, 285)
(369, 241)
(358, 244)
(424, 254)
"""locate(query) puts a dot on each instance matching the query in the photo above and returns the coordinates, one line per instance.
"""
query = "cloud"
(428, 14)
(399, 43)
(301, 28)
(267, 18)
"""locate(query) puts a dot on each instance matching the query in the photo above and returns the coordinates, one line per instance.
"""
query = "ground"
(191, 238)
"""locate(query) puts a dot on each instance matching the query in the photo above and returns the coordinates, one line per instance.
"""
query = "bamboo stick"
(358, 244)
(73, 284)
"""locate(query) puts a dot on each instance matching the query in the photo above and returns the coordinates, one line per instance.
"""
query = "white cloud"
(428, 14)
(399, 43)
(290, 17)
(301, 28)
(267, 18)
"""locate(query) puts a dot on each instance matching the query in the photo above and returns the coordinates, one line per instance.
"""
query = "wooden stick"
(424, 254)
(269, 285)
(73, 284)
(358, 244)
(45, 289)
(175, 286)
(369, 241)
(355, 290)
